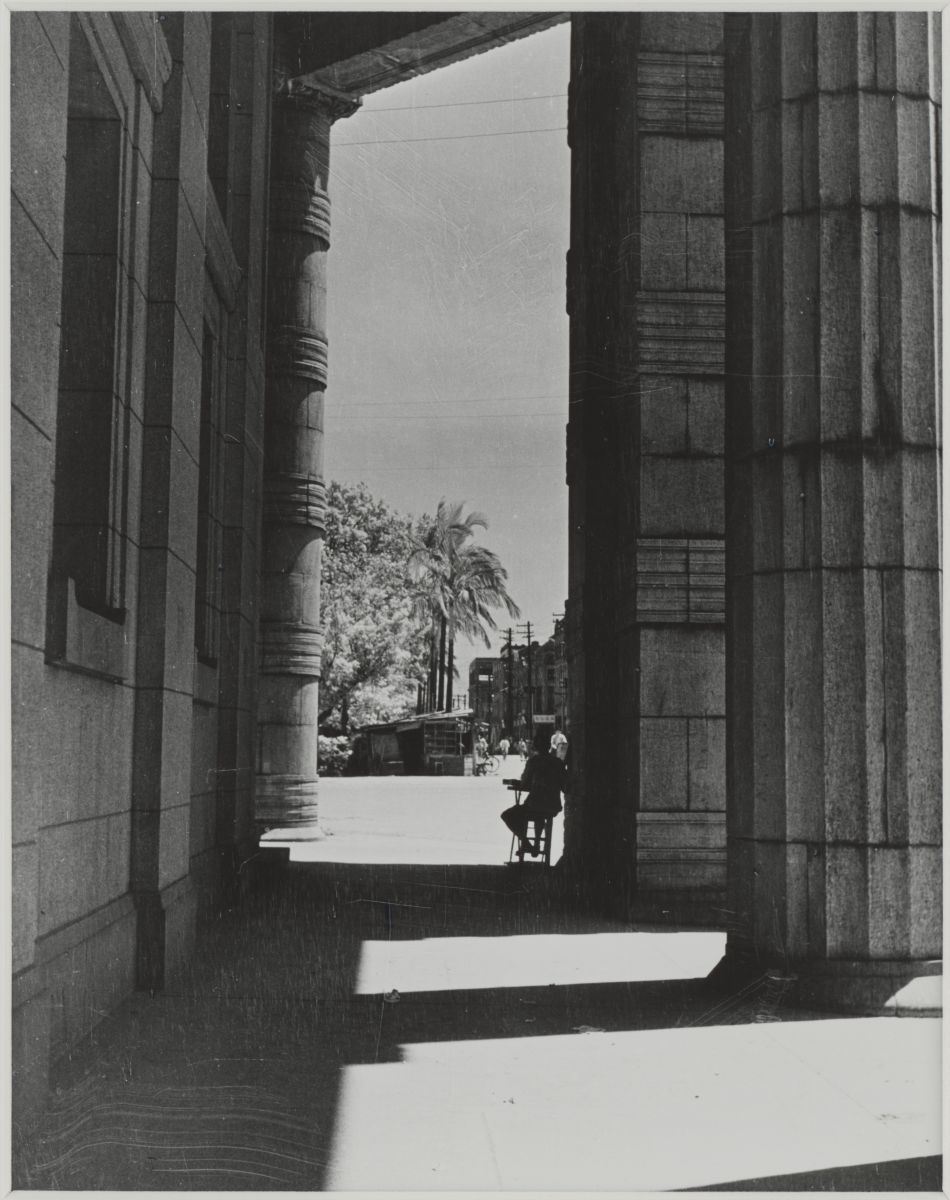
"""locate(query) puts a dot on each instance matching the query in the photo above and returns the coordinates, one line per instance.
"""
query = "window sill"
(88, 642)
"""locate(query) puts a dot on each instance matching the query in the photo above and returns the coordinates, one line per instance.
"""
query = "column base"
(283, 835)
(165, 929)
(285, 808)
(604, 881)
(871, 987)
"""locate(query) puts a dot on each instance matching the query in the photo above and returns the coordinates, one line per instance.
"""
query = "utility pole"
(509, 698)
(530, 692)
(530, 706)
(474, 735)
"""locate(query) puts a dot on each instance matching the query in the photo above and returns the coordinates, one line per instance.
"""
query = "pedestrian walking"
(503, 747)
(523, 749)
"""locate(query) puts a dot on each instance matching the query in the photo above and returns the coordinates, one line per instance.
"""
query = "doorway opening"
(449, 381)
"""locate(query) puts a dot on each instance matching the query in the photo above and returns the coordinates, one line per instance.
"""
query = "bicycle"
(487, 766)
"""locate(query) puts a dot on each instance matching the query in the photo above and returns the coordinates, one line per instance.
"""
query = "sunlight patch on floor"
(655, 1110)
(411, 820)
(403, 822)
(535, 960)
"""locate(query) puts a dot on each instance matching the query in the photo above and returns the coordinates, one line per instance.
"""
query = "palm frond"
(454, 578)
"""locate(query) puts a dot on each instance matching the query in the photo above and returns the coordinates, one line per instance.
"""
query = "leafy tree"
(459, 585)
(374, 644)
(333, 753)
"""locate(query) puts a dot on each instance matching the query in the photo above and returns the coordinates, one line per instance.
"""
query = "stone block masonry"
(647, 575)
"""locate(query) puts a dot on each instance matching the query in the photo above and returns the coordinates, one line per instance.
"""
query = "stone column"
(600, 813)
(294, 494)
(833, 586)
(646, 604)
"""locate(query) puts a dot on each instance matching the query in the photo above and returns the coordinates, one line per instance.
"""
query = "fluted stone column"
(294, 493)
(833, 601)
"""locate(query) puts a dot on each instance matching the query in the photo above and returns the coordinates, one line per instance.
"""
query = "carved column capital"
(304, 111)
(318, 97)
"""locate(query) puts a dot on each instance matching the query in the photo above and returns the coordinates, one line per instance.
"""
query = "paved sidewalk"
(419, 1027)
(416, 819)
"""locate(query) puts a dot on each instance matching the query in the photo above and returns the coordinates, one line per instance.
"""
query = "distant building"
(519, 693)
(486, 692)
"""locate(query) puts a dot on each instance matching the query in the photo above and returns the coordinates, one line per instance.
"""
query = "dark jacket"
(544, 776)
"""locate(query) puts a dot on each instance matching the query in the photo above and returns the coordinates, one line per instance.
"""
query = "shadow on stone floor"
(898, 1175)
(229, 1079)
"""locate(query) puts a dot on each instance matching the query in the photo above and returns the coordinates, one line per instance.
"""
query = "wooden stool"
(540, 826)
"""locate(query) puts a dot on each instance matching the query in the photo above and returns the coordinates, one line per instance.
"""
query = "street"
(415, 819)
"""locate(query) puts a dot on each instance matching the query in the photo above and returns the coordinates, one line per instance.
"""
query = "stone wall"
(222, 769)
(134, 519)
(73, 669)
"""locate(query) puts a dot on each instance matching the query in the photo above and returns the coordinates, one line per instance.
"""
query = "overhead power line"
(504, 416)
(461, 400)
(454, 468)
(454, 137)
(466, 103)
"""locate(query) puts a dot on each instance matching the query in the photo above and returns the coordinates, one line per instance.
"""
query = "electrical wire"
(506, 416)
(454, 469)
(462, 400)
(466, 103)
(454, 137)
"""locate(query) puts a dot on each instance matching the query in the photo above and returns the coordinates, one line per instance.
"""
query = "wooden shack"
(437, 743)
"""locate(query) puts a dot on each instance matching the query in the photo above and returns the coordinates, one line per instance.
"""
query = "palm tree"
(431, 566)
(459, 584)
(479, 588)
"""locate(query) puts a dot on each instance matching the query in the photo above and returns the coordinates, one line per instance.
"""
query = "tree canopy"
(459, 585)
(395, 593)
(374, 643)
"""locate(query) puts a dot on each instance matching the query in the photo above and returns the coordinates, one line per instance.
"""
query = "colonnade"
(785, 403)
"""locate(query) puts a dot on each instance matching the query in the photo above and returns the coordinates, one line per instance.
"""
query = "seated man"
(543, 778)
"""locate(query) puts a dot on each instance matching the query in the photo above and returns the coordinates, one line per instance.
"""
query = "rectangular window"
(208, 563)
(219, 110)
(91, 482)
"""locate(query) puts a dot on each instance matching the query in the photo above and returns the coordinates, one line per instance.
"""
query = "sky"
(448, 358)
